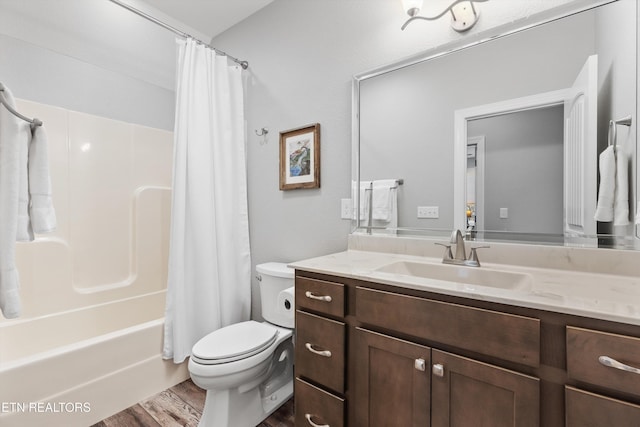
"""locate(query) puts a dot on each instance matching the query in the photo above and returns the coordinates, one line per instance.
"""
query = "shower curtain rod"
(243, 64)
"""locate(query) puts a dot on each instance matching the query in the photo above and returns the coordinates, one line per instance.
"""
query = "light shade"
(412, 7)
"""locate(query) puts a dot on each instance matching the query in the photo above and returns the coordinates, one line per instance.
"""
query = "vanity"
(393, 337)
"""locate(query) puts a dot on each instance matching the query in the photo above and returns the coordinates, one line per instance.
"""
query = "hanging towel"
(606, 192)
(384, 193)
(621, 199)
(41, 213)
(613, 194)
(14, 138)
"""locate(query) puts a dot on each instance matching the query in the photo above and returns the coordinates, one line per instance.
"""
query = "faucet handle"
(447, 251)
(473, 256)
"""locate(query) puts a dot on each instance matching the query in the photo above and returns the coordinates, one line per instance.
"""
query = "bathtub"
(88, 343)
(103, 368)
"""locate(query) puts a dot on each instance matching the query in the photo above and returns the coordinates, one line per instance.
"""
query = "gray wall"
(523, 170)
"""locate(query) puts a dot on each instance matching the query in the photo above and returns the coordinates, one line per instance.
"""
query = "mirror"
(420, 121)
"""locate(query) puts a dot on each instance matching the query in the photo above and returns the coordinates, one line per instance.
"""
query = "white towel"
(621, 199)
(613, 194)
(384, 193)
(42, 214)
(14, 140)
(606, 192)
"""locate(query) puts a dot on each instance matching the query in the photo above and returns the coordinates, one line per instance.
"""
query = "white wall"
(303, 55)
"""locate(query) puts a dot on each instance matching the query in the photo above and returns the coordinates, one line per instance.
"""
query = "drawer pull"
(325, 298)
(438, 370)
(323, 353)
(308, 417)
(613, 363)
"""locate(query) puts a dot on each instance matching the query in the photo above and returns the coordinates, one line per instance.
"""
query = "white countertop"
(602, 296)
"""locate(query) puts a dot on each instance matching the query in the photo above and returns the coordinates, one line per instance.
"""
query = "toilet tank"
(277, 306)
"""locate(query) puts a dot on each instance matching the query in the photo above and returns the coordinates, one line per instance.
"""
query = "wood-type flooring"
(182, 405)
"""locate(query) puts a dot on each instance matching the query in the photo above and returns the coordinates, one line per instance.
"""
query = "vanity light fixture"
(463, 13)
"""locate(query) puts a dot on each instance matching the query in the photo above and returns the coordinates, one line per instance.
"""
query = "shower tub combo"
(89, 341)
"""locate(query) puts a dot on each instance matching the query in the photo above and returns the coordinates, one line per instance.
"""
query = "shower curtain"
(209, 276)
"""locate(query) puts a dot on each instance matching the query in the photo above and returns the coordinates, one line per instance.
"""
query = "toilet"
(247, 368)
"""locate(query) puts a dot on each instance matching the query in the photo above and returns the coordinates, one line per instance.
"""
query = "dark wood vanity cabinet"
(403, 357)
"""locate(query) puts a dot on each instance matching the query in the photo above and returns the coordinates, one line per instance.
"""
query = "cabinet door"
(392, 381)
(468, 393)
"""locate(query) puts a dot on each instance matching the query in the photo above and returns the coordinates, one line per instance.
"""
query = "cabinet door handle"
(420, 364)
(325, 298)
(308, 417)
(613, 363)
(438, 370)
(323, 353)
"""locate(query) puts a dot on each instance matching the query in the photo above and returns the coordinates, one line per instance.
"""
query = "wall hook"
(263, 133)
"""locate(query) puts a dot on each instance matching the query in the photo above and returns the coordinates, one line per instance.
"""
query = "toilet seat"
(234, 342)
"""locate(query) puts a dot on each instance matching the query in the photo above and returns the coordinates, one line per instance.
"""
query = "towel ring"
(626, 121)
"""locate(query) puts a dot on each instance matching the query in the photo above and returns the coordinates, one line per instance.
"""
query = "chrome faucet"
(460, 257)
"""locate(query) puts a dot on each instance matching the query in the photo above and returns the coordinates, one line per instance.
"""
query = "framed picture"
(300, 158)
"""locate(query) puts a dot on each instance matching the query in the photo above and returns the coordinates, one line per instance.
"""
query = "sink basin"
(471, 276)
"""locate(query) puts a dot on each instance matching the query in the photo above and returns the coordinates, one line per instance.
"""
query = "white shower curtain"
(209, 277)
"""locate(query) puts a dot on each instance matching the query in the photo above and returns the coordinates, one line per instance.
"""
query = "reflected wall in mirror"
(504, 152)
(405, 127)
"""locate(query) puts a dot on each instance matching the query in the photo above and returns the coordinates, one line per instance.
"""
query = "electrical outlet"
(504, 213)
(428, 212)
(345, 208)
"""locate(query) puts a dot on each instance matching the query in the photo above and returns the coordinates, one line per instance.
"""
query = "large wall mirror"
(501, 137)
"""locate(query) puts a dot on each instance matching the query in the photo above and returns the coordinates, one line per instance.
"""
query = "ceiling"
(208, 17)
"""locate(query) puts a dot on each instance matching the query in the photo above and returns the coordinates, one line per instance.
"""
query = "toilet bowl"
(247, 368)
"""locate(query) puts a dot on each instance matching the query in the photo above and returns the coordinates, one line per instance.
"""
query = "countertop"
(603, 296)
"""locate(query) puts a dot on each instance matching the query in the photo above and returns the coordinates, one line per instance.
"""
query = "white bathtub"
(102, 370)
(88, 343)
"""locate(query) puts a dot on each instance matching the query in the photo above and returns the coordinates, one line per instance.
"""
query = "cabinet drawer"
(586, 346)
(506, 336)
(320, 296)
(315, 406)
(584, 409)
(320, 351)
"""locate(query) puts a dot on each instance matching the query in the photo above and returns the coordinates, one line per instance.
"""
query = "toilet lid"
(235, 342)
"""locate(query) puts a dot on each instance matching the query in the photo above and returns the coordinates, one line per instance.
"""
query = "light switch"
(428, 212)
(345, 208)
(504, 213)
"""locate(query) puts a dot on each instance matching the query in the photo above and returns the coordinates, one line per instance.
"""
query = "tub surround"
(597, 283)
(93, 292)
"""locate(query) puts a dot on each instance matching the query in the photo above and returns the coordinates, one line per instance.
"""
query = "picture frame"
(300, 157)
